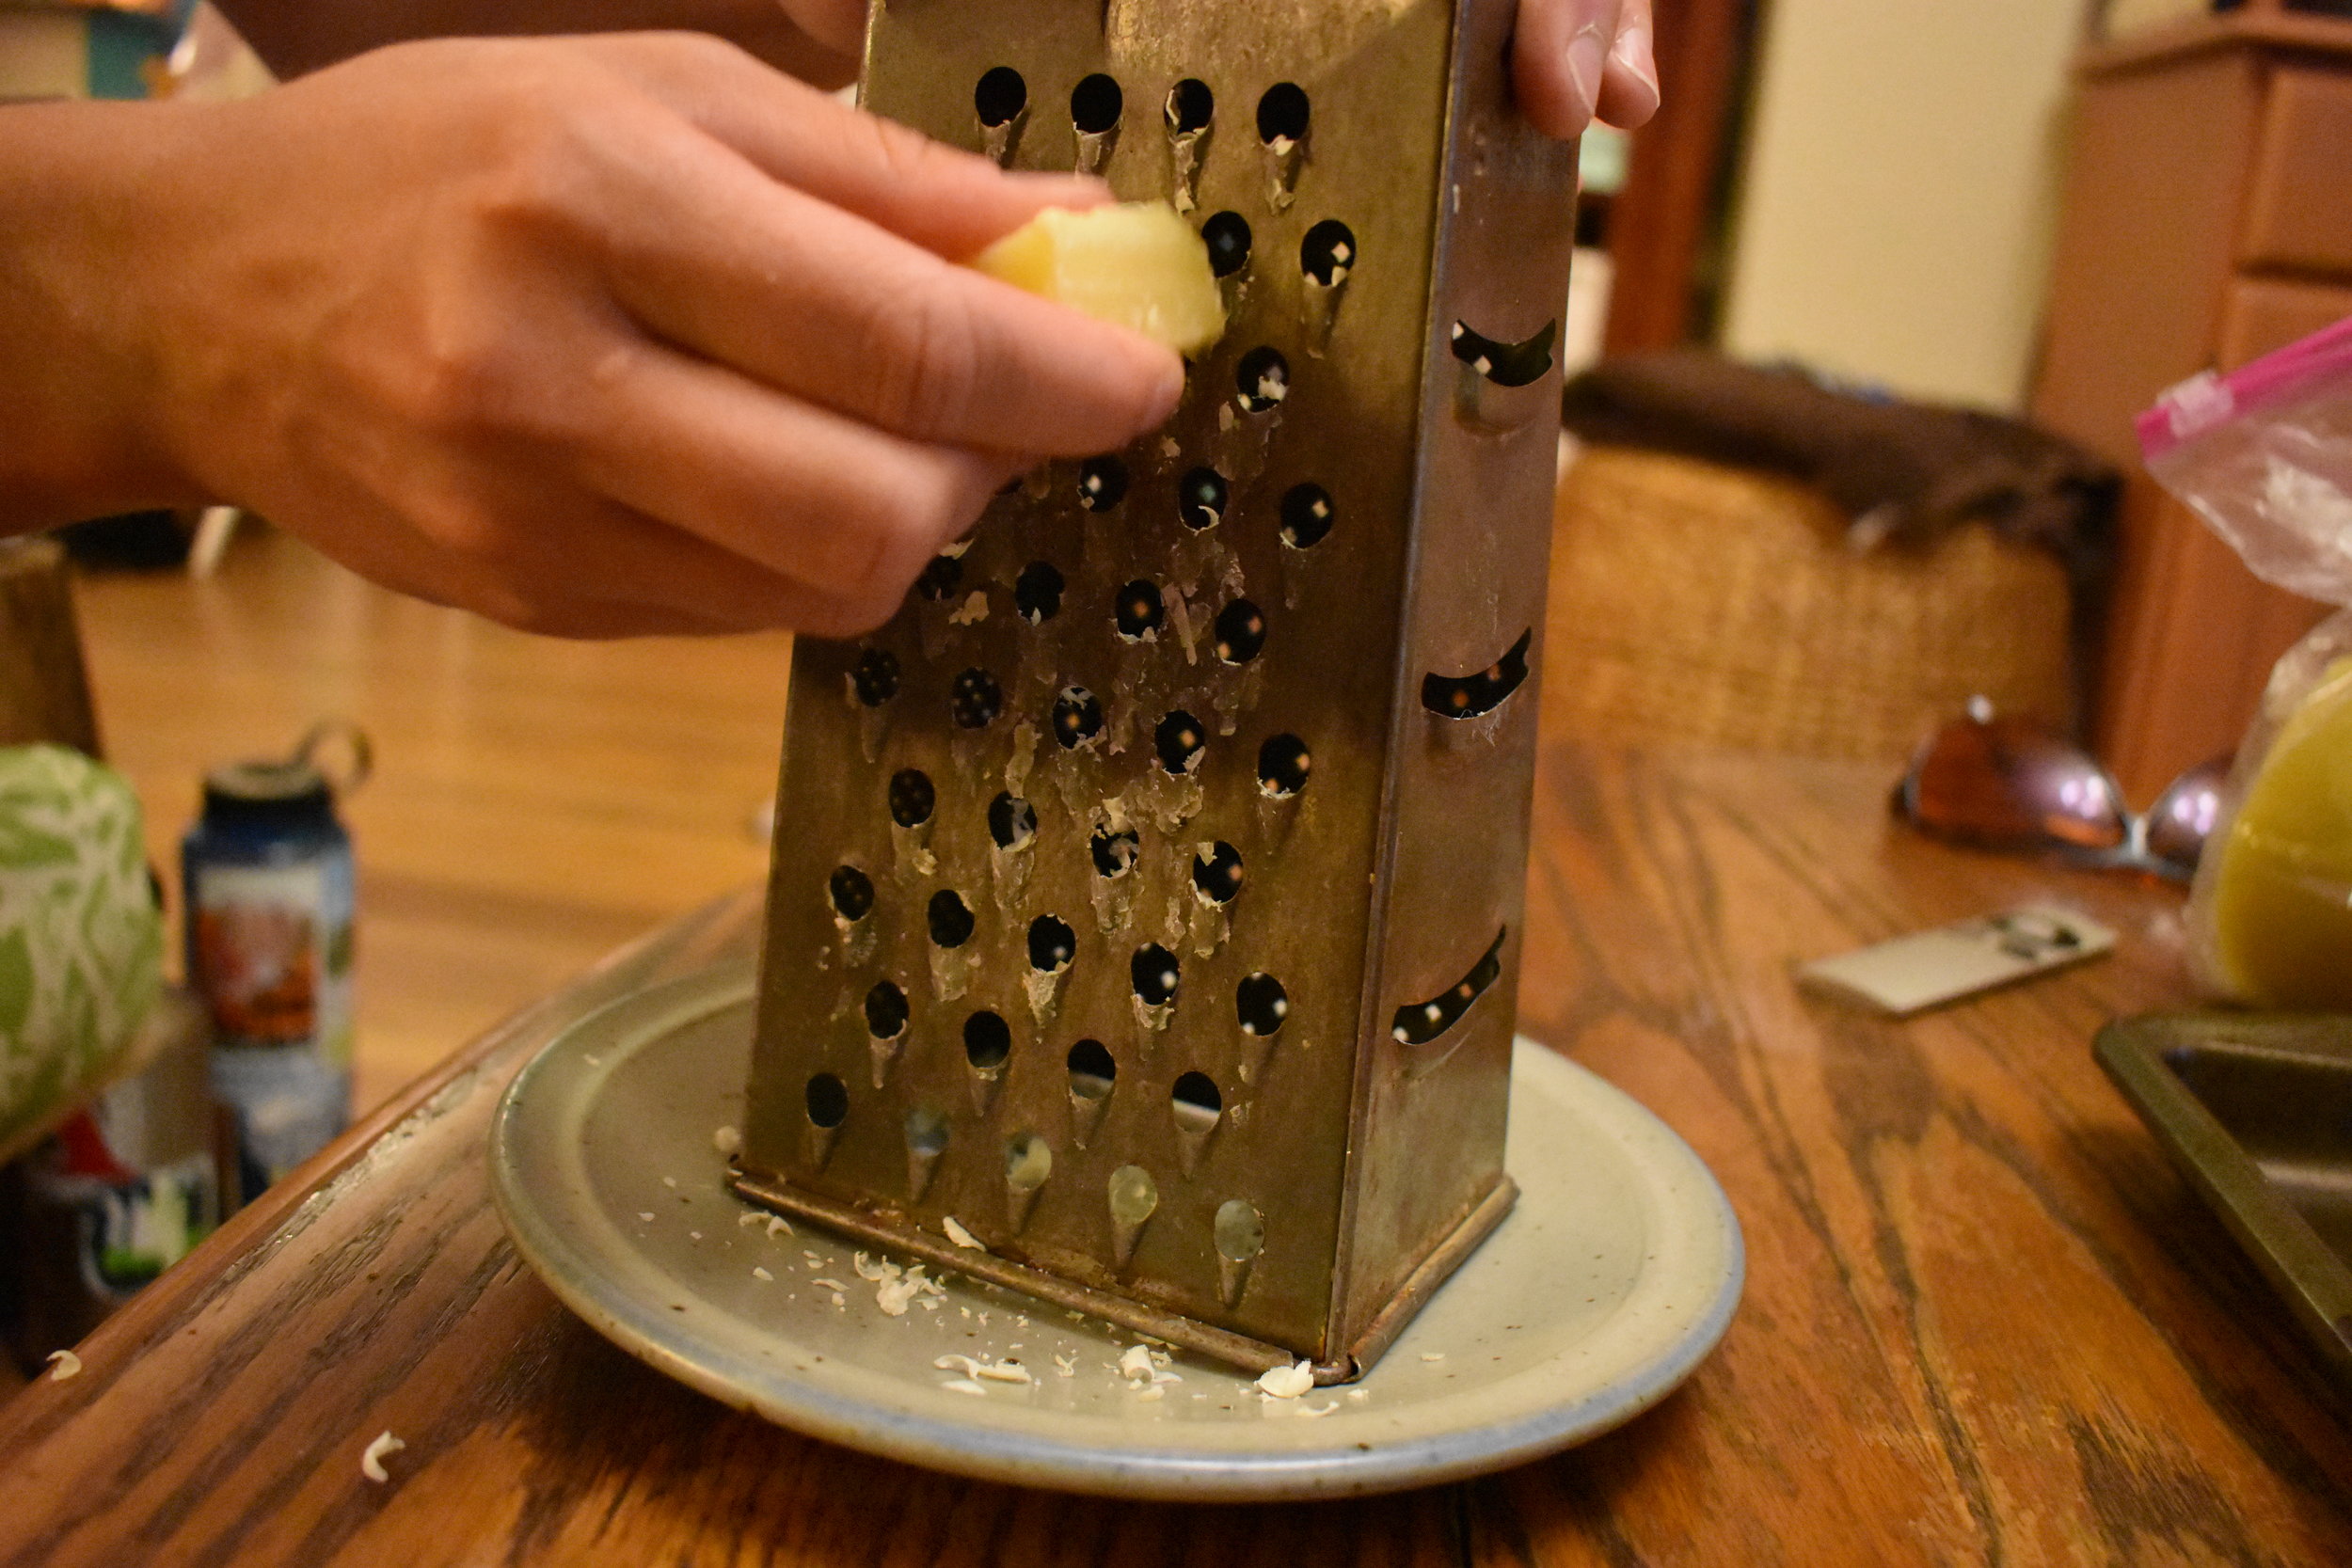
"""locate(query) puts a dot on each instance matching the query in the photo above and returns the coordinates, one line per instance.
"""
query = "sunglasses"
(2010, 784)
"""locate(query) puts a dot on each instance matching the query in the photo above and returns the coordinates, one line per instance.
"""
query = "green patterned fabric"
(81, 940)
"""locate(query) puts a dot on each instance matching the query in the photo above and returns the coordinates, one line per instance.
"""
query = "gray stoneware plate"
(1612, 1279)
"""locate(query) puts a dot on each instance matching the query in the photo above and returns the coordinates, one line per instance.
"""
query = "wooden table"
(1985, 1321)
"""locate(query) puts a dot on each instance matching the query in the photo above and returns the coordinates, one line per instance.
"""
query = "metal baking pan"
(2257, 1109)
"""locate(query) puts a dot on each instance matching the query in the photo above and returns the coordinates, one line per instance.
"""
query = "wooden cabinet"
(2207, 220)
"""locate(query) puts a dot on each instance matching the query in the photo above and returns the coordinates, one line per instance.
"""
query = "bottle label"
(272, 954)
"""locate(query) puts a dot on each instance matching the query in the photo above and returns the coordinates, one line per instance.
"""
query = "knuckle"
(922, 347)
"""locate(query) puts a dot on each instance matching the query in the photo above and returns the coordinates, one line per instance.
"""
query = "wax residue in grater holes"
(949, 919)
(875, 678)
(1052, 943)
(912, 798)
(1261, 380)
(1000, 97)
(1101, 484)
(1328, 254)
(1418, 1022)
(1217, 873)
(1261, 1004)
(1240, 632)
(1138, 612)
(1077, 717)
(1226, 235)
(852, 893)
(941, 578)
(1202, 498)
(1114, 853)
(987, 1042)
(1190, 108)
(1093, 1072)
(974, 700)
(1037, 592)
(1095, 105)
(1011, 822)
(1156, 975)
(886, 1012)
(1283, 765)
(1284, 114)
(1306, 515)
(1180, 739)
(828, 1101)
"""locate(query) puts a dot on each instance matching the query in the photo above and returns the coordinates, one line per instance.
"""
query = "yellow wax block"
(2283, 904)
(1140, 266)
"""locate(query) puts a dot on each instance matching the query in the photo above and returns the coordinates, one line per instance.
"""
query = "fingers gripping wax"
(1139, 266)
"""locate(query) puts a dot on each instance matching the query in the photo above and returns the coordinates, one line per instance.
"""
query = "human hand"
(1575, 60)
(609, 336)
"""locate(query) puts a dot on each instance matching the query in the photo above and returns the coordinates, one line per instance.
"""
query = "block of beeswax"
(1139, 266)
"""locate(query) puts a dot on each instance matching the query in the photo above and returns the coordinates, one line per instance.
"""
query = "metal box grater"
(1146, 895)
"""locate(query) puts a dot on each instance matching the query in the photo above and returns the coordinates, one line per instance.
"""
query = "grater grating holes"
(974, 700)
(851, 891)
(1000, 98)
(886, 1012)
(1418, 1022)
(1037, 592)
(1156, 975)
(941, 577)
(1093, 1071)
(1226, 235)
(1101, 484)
(1140, 611)
(1262, 1006)
(1196, 1101)
(1077, 717)
(1052, 943)
(1328, 254)
(1202, 498)
(1284, 114)
(1469, 696)
(1114, 853)
(949, 919)
(1190, 108)
(987, 1040)
(827, 1100)
(1096, 104)
(1011, 822)
(912, 798)
(1240, 632)
(876, 678)
(1263, 380)
(1283, 765)
(1179, 740)
(1217, 873)
(1307, 515)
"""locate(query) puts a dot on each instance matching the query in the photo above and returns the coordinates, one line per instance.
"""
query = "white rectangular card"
(1926, 969)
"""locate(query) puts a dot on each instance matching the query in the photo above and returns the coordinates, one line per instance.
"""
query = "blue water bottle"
(269, 905)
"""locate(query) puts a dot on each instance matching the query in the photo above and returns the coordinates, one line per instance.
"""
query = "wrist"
(81, 422)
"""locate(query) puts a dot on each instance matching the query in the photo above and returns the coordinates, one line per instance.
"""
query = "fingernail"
(1587, 57)
(1633, 53)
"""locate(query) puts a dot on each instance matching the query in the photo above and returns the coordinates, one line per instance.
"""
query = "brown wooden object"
(1985, 1321)
(44, 689)
(2204, 223)
(1661, 225)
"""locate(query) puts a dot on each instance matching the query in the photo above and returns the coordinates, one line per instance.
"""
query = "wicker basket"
(1697, 604)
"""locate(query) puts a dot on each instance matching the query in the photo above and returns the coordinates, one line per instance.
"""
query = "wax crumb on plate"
(1065, 1365)
(776, 1223)
(1135, 1361)
(748, 1217)
(759, 1273)
(1287, 1383)
(372, 1462)
(1433, 1356)
(1154, 1392)
(1359, 1394)
(1007, 1370)
(840, 1300)
(645, 1214)
(670, 1182)
(63, 1364)
(694, 1235)
(727, 1141)
(958, 1234)
(964, 1385)
(1316, 1412)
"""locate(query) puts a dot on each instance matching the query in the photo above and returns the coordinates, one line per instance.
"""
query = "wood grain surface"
(1984, 1323)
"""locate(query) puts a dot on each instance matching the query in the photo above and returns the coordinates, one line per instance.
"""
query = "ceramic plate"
(1609, 1283)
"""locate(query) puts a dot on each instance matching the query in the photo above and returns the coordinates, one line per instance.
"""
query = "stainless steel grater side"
(1146, 897)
